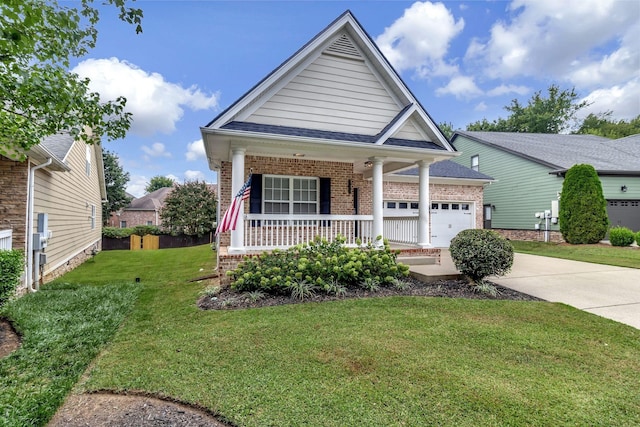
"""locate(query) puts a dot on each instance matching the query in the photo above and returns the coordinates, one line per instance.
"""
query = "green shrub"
(321, 266)
(143, 230)
(621, 236)
(583, 208)
(638, 238)
(116, 233)
(481, 253)
(11, 267)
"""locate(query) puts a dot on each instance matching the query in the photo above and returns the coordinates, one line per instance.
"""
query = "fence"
(135, 242)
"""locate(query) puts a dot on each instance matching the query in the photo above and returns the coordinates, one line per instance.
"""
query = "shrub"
(143, 230)
(481, 253)
(621, 236)
(11, 267)
(638, 238)
(116, 233)
(583, 208)
(320, 265)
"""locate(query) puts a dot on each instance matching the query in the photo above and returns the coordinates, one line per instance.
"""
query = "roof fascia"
(562, 172)
(437, 180)
(396, 123)
(100, 169)
(41, 154)
(456, 134)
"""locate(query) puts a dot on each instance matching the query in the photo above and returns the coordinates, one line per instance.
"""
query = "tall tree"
(116, 180)
(554, 113)
(189, 209)
(158, 182)
(603, 125)
(39, 96)
(446, 128)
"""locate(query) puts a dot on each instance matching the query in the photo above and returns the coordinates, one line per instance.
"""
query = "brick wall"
(14, 177)
(134, 218)
(530, 235)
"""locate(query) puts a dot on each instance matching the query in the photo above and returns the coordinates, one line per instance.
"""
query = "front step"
(417, 260)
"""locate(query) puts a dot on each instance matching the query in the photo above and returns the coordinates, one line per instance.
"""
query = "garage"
(624, 213)
(448, 218)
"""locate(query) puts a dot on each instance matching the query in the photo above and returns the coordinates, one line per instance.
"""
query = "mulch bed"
(9, 339)
(230, 300)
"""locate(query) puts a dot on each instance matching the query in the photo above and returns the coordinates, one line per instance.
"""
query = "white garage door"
(448, 219)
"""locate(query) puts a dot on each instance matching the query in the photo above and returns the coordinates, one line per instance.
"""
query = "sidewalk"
(607, 291)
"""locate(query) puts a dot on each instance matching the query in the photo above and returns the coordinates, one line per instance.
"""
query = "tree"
(39, 96)
(189, 209)
(602, 125)
(116, 180)
(446, 128)
(583, 208)
(158, 182)
(553, 114)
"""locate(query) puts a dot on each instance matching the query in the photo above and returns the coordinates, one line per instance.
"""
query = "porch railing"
(402, 230)
(5, 239)
(270, 231)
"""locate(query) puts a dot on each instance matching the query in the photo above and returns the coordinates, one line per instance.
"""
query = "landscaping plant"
(621, 236)
(481, 253)
(319, 266)
(583, 208)
(638, 238)
(11, 266)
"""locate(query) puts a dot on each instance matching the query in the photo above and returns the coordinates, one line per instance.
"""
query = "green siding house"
(529, 171)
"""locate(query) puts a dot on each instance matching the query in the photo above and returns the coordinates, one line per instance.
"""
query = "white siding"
(333, 93)
(409, 131)
(67, 198)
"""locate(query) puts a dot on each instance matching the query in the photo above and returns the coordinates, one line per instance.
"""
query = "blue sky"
(464, 60)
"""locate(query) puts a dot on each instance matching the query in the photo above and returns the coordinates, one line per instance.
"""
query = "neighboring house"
(65, 179)
(529, 171)
(144, 210)
(327, 136)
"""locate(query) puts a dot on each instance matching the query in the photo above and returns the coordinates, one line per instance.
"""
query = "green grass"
(599, 254)
(398, 361)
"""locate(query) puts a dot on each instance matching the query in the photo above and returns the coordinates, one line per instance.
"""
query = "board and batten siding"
(67, 198)
(521, 189)
(333, 93)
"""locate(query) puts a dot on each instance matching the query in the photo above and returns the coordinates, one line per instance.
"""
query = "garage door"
(447, 220)
(625, 213)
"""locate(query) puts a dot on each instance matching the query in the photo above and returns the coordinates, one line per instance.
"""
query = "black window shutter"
(255, 198)
(325, 196)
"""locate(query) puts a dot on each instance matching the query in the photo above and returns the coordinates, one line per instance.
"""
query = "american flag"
(230, 218)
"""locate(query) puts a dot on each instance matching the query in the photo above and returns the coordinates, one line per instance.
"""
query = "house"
(144, 210)
(529, 171)
(324, 136)
(56, 193)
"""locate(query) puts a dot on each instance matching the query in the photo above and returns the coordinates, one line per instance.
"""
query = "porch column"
(377, 198)
(237, 181)
(424, 235)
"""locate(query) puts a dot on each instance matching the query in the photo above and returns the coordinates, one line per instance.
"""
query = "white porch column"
(237, 181)
(377, 197)
(424, 235)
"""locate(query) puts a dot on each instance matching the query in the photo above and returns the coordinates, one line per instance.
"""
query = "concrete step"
(417, 260)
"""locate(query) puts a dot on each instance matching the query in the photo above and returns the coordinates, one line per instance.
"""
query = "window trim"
(291, 192)
(475, 165)
(93, 217)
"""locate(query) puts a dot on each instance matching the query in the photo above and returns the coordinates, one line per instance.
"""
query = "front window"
(290, 195)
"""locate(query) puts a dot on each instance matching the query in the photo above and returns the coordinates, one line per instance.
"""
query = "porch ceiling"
(219, 143)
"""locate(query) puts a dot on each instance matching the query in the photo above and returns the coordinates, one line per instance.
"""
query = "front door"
(487, 216)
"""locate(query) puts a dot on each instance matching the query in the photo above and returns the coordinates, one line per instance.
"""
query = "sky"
(464, 61)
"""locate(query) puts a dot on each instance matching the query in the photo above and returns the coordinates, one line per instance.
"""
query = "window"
(402, 205)
(93, 217)
(434, 206)
(475, 163)
(445, 206)
(415, 205)
(290, 195)
(88, 160)
(123, 224)
(455, 206)
(391, 205)
(465, 206)
(149, 222)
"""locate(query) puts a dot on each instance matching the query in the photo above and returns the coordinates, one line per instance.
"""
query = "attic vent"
(343, 46)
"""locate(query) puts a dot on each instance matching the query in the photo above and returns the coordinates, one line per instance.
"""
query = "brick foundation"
(530, 235)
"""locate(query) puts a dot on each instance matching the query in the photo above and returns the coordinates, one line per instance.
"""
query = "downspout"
(29, 236)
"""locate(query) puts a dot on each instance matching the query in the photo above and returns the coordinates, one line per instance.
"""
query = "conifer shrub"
(583, 208)
(317, 267)
(481, 253)
(621, 236)
(11, 267)
(638, 238)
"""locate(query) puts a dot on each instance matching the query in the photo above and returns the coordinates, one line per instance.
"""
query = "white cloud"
(623, 101)
(419, 40)
(190, 175)
(136, 185)
(157, 105)
(550, 38)
(195, 151)
(460, 87)
(173, 177)
(480, 107)
(157, 149)
(506, 89)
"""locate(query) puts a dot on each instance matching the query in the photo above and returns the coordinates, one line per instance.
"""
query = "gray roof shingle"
(58, 144)
(448, 169)
(563, 151)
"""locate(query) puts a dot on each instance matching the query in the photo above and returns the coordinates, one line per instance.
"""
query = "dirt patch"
(9, 339)
(100, 409)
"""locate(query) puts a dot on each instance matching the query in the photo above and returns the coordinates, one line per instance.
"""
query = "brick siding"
(14, 177)
(134, 218)
(530, 235)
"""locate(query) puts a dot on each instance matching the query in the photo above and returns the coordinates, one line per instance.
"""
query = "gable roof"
(560, 152)
(449, 169)
(357, 102)
(152, 201)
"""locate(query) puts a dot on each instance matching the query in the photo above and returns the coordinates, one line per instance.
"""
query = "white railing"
(5, 239)
(264, 231)
(401, 230)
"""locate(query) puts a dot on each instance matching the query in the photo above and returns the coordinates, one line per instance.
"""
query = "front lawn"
(368, 362)
(599, 253)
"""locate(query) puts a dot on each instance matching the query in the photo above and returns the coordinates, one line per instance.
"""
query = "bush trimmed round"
(481, 253)
(621, 236)
(638, 238)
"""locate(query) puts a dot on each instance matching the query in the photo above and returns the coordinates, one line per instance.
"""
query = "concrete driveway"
(611, 292)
